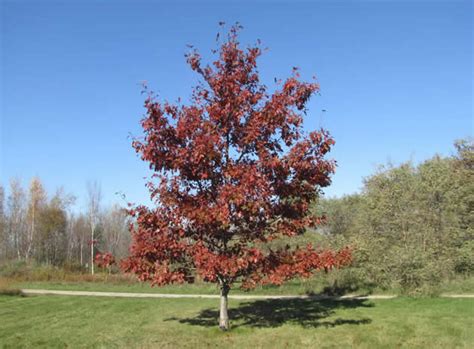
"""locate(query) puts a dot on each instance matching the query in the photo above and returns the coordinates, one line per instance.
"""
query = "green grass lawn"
(293, 287)
(94, 322)
(298, 287)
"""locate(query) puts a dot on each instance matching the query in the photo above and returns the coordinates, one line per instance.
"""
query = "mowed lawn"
(295, 287)
(96, 322)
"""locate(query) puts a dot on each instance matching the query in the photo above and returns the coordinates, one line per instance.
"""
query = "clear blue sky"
(396, 80)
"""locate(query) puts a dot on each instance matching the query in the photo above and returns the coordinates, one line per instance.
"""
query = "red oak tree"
(232, 171)
(104, 260)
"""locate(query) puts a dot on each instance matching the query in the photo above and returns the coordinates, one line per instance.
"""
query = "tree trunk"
(81, 254)
(223, 315)
(92, 252)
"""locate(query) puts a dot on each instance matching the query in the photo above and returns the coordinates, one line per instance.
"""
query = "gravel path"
(458, 295)
(164, 295)
(161, 295)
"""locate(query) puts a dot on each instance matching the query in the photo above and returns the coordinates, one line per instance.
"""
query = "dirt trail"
(162, 295)
(167, 295)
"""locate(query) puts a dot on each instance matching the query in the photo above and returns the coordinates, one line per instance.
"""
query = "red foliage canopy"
(233, 170)
(104, 260)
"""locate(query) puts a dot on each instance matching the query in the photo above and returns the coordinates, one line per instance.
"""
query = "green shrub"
(464, 261)
(15, 269)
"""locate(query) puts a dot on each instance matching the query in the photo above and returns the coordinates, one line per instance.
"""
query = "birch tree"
(16, 220)
(3, 230)
(94, 195)
(36, 201)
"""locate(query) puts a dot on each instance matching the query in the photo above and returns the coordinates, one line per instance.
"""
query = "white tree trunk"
(92, 251)
(31, 235)
(223, 314)
(94, 193)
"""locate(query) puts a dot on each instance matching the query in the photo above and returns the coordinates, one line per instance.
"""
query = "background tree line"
(42, 228)
(411, 227)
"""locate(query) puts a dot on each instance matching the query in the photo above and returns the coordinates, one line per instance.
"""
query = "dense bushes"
(411, 226)
(21, 271)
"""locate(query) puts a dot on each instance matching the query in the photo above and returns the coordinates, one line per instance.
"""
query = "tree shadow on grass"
(308, 313)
